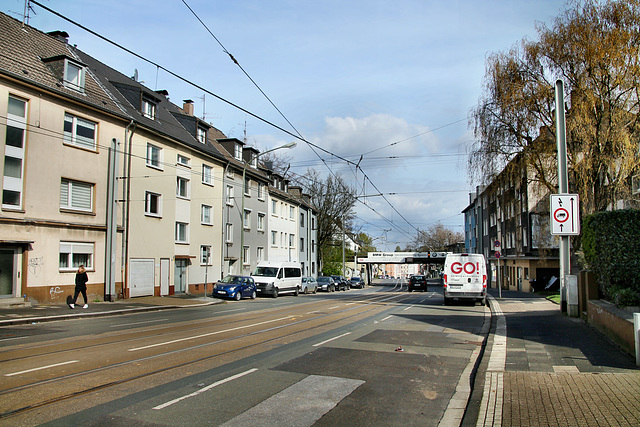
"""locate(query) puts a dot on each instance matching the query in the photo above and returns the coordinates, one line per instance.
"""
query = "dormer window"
(201, 134)
(148, 108)
(238, 151)
(254, 162)
(74, 76)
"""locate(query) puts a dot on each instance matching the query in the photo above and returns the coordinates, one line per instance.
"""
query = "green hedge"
(611, 245)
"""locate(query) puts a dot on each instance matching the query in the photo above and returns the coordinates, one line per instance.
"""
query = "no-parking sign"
(565, 214)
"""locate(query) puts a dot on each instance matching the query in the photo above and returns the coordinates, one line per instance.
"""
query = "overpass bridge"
(374, 258)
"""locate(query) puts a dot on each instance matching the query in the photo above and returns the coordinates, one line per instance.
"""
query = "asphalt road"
(376, 356)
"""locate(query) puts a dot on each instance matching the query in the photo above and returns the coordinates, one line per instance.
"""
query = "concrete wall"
(613, 322)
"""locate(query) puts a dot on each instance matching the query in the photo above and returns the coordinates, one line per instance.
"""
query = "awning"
(24, 243)
(184, 256)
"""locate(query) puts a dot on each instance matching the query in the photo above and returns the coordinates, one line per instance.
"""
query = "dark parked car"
(356, 282)
(417, 281)
(341, 283)
(326, 283)
(235, 287)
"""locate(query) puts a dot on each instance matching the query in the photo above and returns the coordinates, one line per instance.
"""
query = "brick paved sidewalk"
(546, 369)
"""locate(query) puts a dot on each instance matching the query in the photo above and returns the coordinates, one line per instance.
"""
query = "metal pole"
(112, 225)
(563, 188)
(499, 281)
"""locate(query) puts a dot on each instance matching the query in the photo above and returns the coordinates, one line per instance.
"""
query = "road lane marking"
(331, 339)
(408, 308)
(207, 388)
(334, 307)
(137, 323)
(41, 367)
(388, 317)
(206, 335)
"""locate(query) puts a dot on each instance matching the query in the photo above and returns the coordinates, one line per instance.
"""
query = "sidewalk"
(53, 312)
(541, 368)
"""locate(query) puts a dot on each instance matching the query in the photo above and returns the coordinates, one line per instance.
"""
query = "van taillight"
(484, 280)
(445, 279)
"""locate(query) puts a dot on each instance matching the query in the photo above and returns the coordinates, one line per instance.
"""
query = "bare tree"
(436, 238)
(594, 47)
(334, 201)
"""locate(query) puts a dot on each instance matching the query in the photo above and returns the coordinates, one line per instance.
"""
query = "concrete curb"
(80, 315)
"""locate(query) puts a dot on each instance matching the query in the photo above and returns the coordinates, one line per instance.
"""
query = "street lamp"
(244, 177)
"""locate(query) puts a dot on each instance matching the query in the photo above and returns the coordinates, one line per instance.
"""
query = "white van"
(274, 278)
(465, 277)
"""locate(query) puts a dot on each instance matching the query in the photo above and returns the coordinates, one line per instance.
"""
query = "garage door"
(141, 277)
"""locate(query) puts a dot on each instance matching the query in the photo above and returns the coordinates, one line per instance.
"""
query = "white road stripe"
(207, 388)
(41, 367)
(206, 335)
(388, 317)
(335, 306)
(331, 339)
(408, 308)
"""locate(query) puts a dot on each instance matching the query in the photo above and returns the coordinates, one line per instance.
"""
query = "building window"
(74, 76)
(274, 238)
(301, 218)
(274, 207)
(149, 109)
(229, 195)
(152, 204)
(205, 255)
(205, 215)
(292, 240)
(207, 175)
(247, 187)
(238, 151)
(260, 254)
(201, 134)
(246, 221)
(260, 191)
(75, 254)
(76, 195)
(16, 129)
(154, 156)
(229, 238)
(292, 212)
(246, 255)
(261, 222)
(184, 160)
(302, 244)
(79, 132)
(182, 188)
(182, 232)
(313, 246)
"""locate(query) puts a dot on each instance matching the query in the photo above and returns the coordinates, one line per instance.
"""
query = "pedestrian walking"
(81, 287)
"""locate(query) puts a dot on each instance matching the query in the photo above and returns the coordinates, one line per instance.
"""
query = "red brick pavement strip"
(569, 399)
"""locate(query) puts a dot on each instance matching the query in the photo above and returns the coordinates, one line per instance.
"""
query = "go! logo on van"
(468, 267)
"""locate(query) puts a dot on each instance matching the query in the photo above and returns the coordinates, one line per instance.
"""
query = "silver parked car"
(309, 285)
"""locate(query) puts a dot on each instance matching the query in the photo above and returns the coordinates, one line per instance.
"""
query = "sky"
(388, 84)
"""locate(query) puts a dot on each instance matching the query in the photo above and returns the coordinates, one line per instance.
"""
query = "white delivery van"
(274, 278)
(465, 277)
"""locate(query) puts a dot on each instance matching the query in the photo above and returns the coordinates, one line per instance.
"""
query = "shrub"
(626, 298)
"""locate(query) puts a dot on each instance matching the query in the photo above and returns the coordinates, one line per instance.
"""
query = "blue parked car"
(235, 287)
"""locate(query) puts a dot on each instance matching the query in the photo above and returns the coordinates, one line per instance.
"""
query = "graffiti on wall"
(35, 265)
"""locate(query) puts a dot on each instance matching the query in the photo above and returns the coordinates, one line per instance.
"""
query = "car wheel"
(483, 302)
(446, 301)
(238, 296)
(333, 289)
(296, 292)
(410, 290)
(275, 293)
(253, 295)
(315, 289)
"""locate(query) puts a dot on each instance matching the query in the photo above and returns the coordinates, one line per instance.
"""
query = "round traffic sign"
(497, 254)
(561, 215)
(496, 243)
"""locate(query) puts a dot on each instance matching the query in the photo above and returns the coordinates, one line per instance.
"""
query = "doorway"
(180, 276)
(7, 272)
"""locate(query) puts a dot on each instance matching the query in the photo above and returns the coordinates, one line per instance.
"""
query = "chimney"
(63, 36)
(188, 106)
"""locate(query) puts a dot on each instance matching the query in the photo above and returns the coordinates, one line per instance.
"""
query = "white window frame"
(261, 187)
(260, 253)
(247, 187)
(12, 184)
(73, 190)
(274, 238)
(229, 230)
(207, 175)
(183, 188)
(230, 197)
(261, 221)
(292, 212)
(246, 255)
(274, 208)
(246, 219)
(238, 151)
(76, 79)
(208, 209)
(72, 137)
(183, 160)
(156, 164)
(182, 232)
(70, 249)
(149, 108)
(148, 196)
(201, 134)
